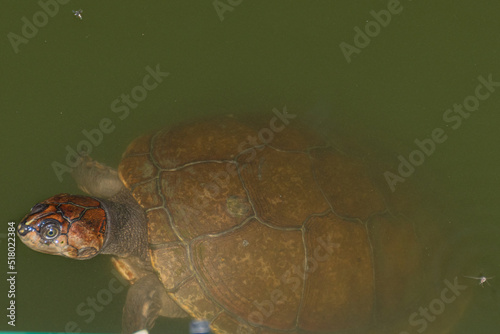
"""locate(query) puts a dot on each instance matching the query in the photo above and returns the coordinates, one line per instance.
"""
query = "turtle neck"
(126, 229)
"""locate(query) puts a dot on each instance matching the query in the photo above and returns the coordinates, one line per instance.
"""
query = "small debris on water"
(78, 13)
(481, 279)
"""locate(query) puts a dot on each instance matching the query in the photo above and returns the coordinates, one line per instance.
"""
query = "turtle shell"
(268, 229)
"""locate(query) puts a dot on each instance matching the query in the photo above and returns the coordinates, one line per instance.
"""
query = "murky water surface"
(417, 82)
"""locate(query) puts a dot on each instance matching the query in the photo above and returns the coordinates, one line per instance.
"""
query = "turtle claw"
(142, 305)
(146, 300)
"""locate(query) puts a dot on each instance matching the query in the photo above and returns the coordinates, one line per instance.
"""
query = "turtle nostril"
(22, 229)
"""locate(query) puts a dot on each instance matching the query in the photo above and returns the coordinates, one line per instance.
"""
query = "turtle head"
(67, 225)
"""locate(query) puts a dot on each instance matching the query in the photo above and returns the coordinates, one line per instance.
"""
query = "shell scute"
(198, 196)
(274, 179)
(247, 269)
(218, 139)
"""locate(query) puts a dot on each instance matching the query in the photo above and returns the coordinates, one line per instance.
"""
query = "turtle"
(255, 227)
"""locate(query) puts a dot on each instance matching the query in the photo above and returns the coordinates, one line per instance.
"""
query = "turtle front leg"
(146, 300)
(97, 179)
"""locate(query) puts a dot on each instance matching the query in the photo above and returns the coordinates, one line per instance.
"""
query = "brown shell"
(266, 229)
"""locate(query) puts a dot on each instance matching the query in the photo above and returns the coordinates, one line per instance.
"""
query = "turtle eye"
(38, 208)
(50, 229)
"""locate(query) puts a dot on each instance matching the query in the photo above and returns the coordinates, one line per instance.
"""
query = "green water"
(263, 55)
